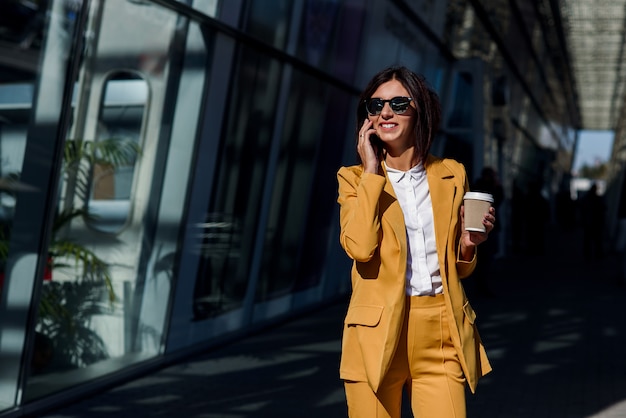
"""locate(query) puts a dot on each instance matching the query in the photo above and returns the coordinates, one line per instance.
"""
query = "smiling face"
(395, 131)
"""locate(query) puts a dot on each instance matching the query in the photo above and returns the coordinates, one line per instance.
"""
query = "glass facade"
(167, 176)
(241, 173)
(33, 99)
(104, 305)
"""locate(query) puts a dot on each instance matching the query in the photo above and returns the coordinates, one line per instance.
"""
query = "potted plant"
(67, 306)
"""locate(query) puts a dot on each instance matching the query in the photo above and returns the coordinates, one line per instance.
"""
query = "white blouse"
(422, 272)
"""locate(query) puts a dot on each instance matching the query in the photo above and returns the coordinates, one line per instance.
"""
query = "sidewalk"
(554, 333)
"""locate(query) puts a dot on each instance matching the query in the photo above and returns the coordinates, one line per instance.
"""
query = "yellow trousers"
(425, 363)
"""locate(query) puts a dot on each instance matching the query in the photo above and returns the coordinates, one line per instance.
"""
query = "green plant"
(79, 160)
(66, 308)
(81, 157)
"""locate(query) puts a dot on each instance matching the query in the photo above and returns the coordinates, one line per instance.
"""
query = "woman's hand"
(470, 239)
(367, 151)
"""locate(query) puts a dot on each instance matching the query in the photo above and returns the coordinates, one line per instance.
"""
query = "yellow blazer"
(373, 234)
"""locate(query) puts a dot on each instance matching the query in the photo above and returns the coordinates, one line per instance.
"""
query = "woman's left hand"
(470, 239)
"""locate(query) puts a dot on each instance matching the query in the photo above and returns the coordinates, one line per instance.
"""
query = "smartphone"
(376, 143)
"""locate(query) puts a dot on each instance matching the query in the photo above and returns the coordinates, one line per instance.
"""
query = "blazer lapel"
(390, 207)
(442, 193)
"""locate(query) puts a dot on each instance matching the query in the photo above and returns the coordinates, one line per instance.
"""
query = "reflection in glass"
(320, 220)
(304, 189)
(291, 189)
(115, 151)
(35, 40)
(15, 110)
(21, 31)
(300, 168)
(269, 21)
(329, 29)
(461, 114)
(230, 228)
(104, 305)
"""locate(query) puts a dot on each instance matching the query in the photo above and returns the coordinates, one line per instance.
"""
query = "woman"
(409, 323)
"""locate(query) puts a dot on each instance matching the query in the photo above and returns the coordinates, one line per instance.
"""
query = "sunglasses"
(398, 105)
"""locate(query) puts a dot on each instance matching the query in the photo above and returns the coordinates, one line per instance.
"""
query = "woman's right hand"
(368, 151)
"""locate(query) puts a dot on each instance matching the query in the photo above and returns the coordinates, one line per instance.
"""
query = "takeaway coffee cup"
(476, 205)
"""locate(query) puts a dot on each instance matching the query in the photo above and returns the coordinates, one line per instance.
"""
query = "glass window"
(232, 217)
(127, 158)
(268, 21)
(461, 114)
(459, 147)
(15, 111)
(115, 151)
(30, 78)
(208, 7)
(21, 30)
(331, 35)
(320, 221)
(304, 187)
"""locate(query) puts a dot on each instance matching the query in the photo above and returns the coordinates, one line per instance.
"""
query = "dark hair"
(426, 100)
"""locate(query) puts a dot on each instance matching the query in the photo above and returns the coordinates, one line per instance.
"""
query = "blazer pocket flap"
(469, 312)
(367, 315)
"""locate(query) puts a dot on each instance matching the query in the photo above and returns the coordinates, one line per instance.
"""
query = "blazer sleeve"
(464, 268)
(359, 194)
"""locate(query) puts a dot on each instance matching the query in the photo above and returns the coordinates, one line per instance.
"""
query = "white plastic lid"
(478, 196)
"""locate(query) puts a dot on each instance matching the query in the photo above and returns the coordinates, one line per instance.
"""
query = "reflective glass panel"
(125, 171)
(320, 222)
(269, 21)
(331, 35)
(232, 218)
(116, 151)
(22, 35)
(304, 187)
(461, 114)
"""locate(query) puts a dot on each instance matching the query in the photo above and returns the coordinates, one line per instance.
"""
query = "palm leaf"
(67, 254)
(66, 216)
(81, 157)
(117, 152)
(67, 307)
